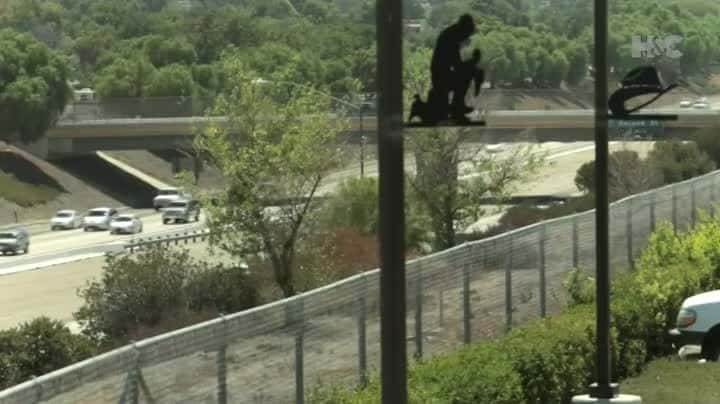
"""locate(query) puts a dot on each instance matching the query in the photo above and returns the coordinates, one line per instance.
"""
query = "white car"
(126, 224)
(66, 219)
(701, 105)
(99, 218)
(685, 104)
(698, 325)
(166, 196)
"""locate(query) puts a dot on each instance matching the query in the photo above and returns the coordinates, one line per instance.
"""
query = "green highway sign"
(644, 128)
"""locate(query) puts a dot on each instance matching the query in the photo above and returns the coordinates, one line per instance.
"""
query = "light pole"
(358, 108)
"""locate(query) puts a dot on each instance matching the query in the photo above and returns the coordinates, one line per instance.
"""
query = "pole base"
(619, 399)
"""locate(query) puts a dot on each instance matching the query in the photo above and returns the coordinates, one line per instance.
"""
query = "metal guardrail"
(279, 352)
(184, 237)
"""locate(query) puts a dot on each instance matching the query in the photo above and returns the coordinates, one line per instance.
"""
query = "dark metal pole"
(393, 350)
(602, 389)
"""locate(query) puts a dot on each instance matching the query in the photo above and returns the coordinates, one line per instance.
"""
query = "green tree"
(33, 87)
(628, 174)
(124, 78)
(679, 161)
(162, 52)
(38, 347)
(268, 150)
(171, 81)
(355, 205)
(441, 160)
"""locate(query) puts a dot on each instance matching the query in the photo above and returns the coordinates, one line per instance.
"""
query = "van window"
(97, 213)
(7, 235)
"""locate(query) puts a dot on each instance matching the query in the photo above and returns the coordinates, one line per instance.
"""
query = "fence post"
(38, 389)
(134, 396)
(222, 363)
(362, 339)
(712, 196)
(441, 307)
(693, 218)
(299, 361)
(467, 314)
(629, 234)
(652, 212)
(674, 208)
(575, 244)
(541, 248)
(508, 287)
(418, 316)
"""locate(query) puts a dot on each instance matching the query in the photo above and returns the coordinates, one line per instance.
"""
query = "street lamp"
(358, 108)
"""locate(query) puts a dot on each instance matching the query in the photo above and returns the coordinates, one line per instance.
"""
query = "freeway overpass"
(80, 137)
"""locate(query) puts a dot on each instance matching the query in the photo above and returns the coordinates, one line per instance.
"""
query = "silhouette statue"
(639, 81)
(450, 77)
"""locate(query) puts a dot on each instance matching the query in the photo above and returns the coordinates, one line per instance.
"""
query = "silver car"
(168, 195)
(99, 218)
(181, 211)
(126, 224)
(66, 219)
(14, 241)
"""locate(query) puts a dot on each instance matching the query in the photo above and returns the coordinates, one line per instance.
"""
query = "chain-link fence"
(280, 352)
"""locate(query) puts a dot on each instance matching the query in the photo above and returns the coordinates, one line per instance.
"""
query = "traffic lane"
(68, 240)
(49, 292)
(52, 291)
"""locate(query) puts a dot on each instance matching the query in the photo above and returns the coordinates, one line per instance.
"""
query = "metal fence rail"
(280, 352)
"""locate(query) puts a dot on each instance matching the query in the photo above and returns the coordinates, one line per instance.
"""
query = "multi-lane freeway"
(55, 247)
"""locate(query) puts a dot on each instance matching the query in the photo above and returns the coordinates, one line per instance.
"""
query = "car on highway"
(14, 241)
(698, 325)
(181, 211)
(686, 104)
(66, 219)
(126, 224)
(99, 218)
(701, 103)
(166, 196)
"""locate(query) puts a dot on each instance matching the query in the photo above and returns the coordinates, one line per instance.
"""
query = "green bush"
(158, 290)
(551, 360)
(679, 161)
(355, 206)
(38, 347)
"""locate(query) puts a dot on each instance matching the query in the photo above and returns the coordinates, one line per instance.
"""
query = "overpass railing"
(280, 352)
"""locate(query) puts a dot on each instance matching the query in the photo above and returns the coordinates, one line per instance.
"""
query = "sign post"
(393, 350)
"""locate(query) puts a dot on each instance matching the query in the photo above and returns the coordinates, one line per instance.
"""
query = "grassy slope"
(672, 381)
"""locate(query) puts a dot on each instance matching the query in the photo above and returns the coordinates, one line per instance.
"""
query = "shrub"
(679, 161)
(220, 289)
(155, 289)
(627, 175)
(355, 206)
(38, 347)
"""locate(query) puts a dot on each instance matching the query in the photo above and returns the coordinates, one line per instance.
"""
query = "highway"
(54, 247)
(52, 291)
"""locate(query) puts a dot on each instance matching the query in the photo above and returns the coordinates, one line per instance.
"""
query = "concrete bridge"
(80, 137)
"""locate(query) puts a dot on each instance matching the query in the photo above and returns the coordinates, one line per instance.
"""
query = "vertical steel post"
(541, 251)
(418, 317)
(603, 388)
(393, 308)
(693, 206)
(362, 341)
(652, 211)
(674, 208)
(508, 288)
(575, 242)
(467, 314)
(629, 234)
